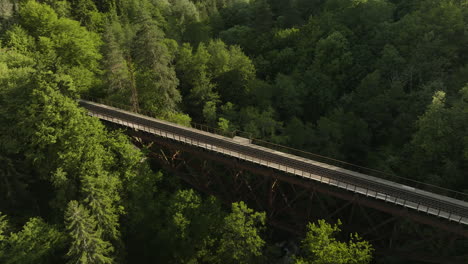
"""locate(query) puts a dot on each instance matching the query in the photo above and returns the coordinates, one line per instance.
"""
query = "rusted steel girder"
(273, 199)
(310, 184)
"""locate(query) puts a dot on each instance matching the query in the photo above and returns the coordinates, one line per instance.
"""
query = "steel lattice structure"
(288, 183)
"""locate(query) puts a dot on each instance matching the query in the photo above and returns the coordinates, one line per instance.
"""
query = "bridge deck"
(384, 190)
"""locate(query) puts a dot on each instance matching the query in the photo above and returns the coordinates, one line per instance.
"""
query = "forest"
(378, 83)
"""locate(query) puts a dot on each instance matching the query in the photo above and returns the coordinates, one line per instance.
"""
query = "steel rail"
(387, 191)
(304, 154)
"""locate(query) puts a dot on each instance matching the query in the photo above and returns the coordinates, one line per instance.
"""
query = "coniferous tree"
(87, 245)
(117, 71)
(156, 78)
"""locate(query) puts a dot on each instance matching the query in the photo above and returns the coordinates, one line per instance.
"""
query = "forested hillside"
(379, 83)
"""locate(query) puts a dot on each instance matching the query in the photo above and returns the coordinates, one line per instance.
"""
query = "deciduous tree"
(321, 247)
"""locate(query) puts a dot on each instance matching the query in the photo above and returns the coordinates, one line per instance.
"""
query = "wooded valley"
(378, 83)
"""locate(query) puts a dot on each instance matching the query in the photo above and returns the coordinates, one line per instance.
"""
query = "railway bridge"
(295, 188)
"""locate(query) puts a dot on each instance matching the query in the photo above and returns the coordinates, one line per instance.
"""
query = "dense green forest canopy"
(380, 83)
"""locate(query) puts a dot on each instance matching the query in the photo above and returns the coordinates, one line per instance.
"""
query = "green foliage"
(203, 73)
(196, 80)
(18, 38)
(54, 135)
(241, 241)
(75, 45)
(223, 124)
(433, 127)
(60, 134)
(263, 16)
(241, 35)
(289, 96)
(209, 112)
(183, 14)
(62, 46)
(37, 242)
(87, 245)
(342, 134)
(3, 227)
(86, 12)
(178, 118)
(231, 69)
(261, 124)
(38, 19)
(321, 247)
(441, 138)
(348, 79)
(61, 7)
(187, 228)
(156, 78)
(194, 223)
(332, 57)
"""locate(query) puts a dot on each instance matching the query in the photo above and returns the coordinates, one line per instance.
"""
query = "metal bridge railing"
(368, 187)
(130, 108)
(364, 170)
(304, 154)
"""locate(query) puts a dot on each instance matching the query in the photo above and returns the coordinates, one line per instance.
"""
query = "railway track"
(387, 191)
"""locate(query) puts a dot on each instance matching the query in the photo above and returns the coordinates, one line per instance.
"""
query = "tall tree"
(196, 80)
(117, 71)
(87, 246)
(440, 144)
(156, 77)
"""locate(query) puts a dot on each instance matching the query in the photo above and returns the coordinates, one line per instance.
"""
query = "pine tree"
(118, 65)
(156, 78)
(87, 246)
(118, 74)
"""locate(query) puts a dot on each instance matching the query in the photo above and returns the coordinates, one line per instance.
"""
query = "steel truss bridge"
(290, 182)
